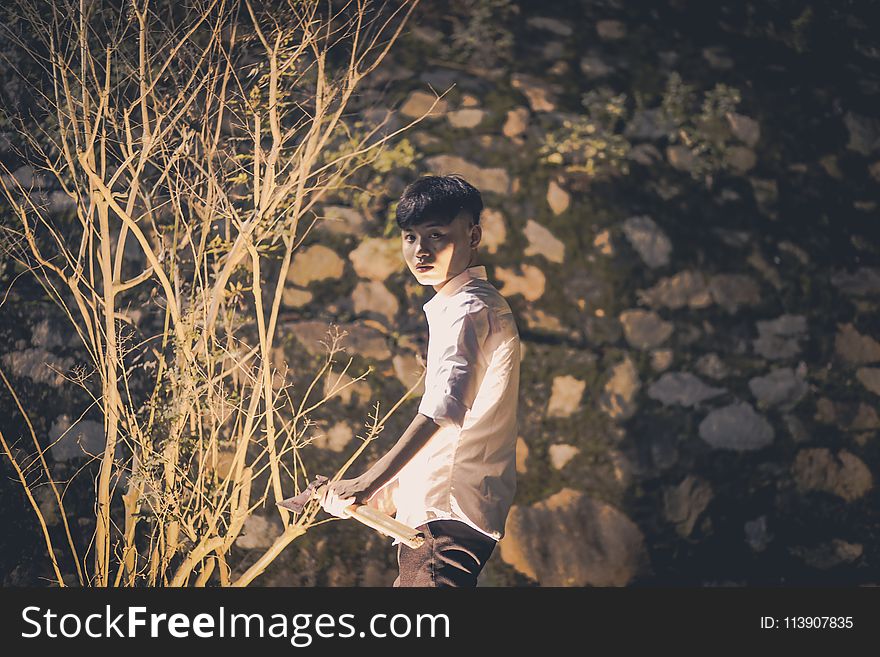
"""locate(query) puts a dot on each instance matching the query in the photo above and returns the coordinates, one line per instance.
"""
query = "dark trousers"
(453, 554)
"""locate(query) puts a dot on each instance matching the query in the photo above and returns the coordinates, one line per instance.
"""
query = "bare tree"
(194, 141)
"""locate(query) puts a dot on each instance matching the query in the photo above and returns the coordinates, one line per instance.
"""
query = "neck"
(471, 263)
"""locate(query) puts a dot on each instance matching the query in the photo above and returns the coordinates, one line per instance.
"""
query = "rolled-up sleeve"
(452, 384)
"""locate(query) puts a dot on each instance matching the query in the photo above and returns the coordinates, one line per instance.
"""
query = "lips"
(423, 267)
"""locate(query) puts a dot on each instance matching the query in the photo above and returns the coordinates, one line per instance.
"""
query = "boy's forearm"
(416, 436)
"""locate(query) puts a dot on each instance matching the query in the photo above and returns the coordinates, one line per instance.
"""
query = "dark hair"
(438, 198)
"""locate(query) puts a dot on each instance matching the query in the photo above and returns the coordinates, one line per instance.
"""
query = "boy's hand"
(343, 493)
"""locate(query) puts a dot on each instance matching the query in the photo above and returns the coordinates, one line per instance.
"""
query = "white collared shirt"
(467, 470)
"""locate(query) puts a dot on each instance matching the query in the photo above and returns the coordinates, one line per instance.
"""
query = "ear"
(476, 235)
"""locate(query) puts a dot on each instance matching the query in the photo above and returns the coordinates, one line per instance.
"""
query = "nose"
(421, 249)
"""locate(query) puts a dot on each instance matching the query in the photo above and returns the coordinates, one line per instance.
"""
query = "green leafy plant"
(592, 144)
(700, 123)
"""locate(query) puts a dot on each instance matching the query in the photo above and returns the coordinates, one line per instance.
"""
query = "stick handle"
(385, 524)
(381, 522)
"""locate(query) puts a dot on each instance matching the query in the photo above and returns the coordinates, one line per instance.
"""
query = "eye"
(436, 235)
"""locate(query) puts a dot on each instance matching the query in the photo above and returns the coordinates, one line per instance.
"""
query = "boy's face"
(446, 250)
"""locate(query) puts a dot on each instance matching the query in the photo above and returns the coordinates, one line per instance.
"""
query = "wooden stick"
(385, 524)
(367, 515)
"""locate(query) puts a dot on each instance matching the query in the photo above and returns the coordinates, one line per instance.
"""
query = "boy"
(452, 474)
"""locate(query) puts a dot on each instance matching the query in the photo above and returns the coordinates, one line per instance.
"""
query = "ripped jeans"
(453, 554)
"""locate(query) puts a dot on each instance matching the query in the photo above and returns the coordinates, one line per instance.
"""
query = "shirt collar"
(453, 285)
